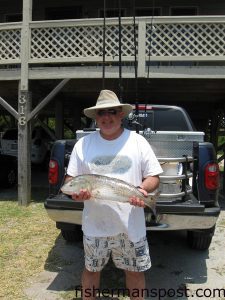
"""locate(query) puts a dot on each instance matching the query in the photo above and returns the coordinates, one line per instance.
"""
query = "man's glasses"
(110, 111)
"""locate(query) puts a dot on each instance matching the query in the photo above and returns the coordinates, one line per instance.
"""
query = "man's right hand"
(83, 195)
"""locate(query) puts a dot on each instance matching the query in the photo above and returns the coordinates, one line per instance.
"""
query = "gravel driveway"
(177, 272)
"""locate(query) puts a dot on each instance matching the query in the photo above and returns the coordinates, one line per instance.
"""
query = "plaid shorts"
(125, 254)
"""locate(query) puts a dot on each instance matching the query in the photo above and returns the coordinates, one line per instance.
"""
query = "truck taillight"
(53, 172)
(212, 176)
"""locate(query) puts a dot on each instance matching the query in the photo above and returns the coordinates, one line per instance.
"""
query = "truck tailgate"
(191, 205)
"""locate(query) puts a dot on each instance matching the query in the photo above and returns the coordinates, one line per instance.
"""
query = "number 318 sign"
(22, 108)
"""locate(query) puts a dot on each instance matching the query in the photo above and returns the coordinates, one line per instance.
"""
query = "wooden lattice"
(82, 41)
(221, 117)
(170, 40)
(10, 44)
(223, 123)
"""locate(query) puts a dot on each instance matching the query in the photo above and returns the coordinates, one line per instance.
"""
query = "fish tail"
(151, 201)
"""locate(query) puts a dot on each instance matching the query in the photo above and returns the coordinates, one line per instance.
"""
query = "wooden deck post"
(24, 105)
(24, 149)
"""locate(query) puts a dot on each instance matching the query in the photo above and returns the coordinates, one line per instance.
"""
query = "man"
(116, 229)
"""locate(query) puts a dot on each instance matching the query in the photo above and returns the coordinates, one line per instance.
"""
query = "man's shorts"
(125, 254)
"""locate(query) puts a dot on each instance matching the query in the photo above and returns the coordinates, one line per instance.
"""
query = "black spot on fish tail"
(151, 202)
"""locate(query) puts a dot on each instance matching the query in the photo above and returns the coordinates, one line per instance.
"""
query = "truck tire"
(200, 239)
(72, 236)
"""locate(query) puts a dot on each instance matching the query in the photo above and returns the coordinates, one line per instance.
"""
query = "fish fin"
(151, 201)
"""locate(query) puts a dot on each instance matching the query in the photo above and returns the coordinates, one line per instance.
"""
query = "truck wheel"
(72, 236)
(200, 239)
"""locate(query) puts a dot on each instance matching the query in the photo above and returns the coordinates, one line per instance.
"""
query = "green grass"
(27, 248)
(26, 237)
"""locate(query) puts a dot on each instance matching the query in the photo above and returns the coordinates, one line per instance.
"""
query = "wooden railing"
(199, 38)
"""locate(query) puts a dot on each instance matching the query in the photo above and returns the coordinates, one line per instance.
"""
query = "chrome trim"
(65, 216)
(165, 221)
(183, 222)
(175, 159)
(181, 194)
(175, 177)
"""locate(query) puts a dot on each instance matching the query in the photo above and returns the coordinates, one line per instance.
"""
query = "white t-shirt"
(130, 158)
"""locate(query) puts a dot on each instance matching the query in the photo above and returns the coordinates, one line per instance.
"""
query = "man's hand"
(83, 195)
(136, 201)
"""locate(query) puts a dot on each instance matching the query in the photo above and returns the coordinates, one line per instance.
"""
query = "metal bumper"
(164, 221)
(169, 217)
(185, 221)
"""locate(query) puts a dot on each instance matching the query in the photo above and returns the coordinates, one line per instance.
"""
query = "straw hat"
(107, 99)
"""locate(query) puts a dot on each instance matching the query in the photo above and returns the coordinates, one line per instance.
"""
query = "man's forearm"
(150, 183)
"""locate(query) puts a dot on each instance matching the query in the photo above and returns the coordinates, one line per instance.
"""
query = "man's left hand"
(136, 201)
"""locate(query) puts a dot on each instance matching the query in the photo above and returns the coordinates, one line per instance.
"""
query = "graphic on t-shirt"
(119, 164)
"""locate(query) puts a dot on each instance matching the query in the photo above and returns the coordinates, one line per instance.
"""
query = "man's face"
(109, 121)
